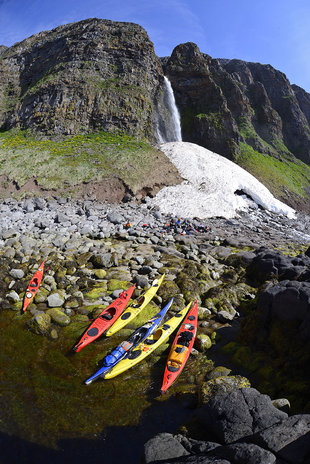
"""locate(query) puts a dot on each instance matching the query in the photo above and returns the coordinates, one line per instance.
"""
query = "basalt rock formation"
(225, 103)
(81, 77)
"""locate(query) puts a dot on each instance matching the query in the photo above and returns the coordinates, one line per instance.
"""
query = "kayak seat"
(149, 341)
(125, 316)
(107, 317)
(178, 315)
(33, 285)
(173, 367)
(180, 349)
(134, 354)
(165, 327)
(191, 318)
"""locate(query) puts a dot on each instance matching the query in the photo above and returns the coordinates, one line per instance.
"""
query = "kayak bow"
(181, 348)
(33, 286)
(105, 319)
(135, 308)
(128, 345)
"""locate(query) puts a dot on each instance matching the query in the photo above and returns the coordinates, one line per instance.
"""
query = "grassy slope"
(278, 175)
(77, 159)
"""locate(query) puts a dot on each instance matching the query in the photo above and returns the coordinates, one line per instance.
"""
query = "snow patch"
(212, 186)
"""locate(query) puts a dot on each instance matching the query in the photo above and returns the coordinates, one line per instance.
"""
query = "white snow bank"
(210, 185)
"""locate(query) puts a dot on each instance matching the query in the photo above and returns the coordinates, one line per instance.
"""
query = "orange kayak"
(105, 319)
(181, 348)
(33, 286)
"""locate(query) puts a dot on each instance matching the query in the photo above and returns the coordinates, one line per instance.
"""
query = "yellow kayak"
(150, 344)
(135, 308)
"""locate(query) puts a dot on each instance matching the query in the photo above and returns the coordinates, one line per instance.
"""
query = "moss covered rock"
(58, 316)
(40, 324)
(203, 342)
(223, 384)
(167, 290)
(97, 291)
(115, 284)
(41, 295)
(100, 273)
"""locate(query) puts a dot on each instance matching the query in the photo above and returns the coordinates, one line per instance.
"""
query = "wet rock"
(218, 371)
(102, 260)
(269, 264)
(100, 273)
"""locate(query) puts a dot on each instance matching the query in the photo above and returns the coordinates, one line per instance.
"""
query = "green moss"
(277, 175)
(115, 284)
(72, 160)
(96, 292)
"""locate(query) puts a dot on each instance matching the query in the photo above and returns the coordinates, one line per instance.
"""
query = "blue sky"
(276, 32)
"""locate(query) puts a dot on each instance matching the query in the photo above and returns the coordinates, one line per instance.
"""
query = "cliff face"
(227, 102)
(94, 74)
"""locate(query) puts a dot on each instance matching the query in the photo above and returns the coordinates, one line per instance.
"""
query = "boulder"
(17, 273)
(58, 316)
(40, 323)
(289, 439)
(55, 300)
(238, 414)
(162, 447)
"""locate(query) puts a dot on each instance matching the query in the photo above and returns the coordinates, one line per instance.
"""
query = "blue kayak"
(122, 350)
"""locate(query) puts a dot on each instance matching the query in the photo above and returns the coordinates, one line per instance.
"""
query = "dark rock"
(239, 414)
(287, 300)
(102, 58)
(163, 447)
(141, 281)
(245, 453)
(145, 270)
(273, 264)
(290, 439)
(102, 260)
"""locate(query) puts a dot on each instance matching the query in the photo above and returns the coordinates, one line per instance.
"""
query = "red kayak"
(33, 286)
(105, 319)
(181, 348)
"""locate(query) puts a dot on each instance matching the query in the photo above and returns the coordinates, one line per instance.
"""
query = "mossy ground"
(278, 174)
(70, 161)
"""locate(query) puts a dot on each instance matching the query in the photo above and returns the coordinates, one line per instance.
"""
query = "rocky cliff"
(227, 102)
(101, 75)
(94, 74)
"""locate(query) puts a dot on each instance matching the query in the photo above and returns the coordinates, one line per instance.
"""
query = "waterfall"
(168, 116)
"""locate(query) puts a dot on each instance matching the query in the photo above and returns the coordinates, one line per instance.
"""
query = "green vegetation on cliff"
(70, 161)
(283, 175)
